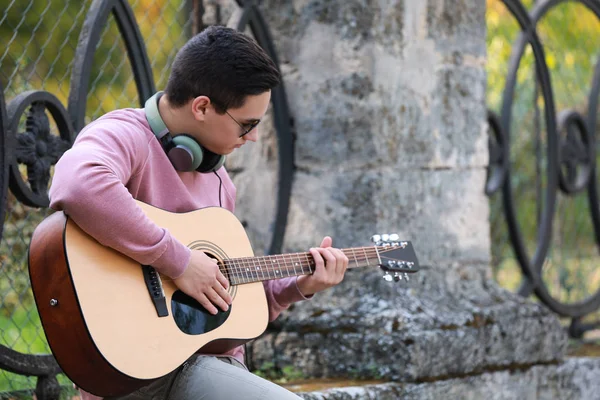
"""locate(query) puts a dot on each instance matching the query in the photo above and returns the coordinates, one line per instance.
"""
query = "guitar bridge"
(155, 289)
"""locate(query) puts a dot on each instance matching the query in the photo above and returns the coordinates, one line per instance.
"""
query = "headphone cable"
(220, 187)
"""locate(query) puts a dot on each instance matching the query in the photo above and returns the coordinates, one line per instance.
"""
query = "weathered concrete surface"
(430, 328)
(575, 379)
(388, 101)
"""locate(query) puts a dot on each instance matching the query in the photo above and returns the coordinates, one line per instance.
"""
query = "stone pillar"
(389, 104)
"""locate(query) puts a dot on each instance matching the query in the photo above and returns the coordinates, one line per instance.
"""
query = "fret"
(278, 270)
(255, 268)
(377, 252)
(366, 256)
(244, 270)
(285, 270)
(286, 265)
(250, 269)
(263, 267)
(354, 255)
(225, 271)
(272, 273)
(238, 270)
(293, 265)
(310, 269)
(300, 263)
(234, 271)
(267, 261)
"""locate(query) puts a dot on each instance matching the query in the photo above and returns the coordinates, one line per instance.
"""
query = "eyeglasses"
(246, 128)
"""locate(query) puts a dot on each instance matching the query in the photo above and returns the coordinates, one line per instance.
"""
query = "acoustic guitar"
(114, 325)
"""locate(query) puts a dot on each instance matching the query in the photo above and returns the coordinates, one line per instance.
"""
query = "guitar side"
(105, 315)
(63, 323)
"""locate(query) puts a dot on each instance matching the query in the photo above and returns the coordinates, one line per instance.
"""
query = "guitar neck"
(257, 269)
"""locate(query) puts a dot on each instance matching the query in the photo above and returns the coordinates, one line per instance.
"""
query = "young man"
(218, 91)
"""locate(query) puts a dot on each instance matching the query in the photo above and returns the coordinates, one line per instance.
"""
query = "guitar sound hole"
(192, 318)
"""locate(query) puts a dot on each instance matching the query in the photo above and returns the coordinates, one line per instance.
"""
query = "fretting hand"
(330, 267)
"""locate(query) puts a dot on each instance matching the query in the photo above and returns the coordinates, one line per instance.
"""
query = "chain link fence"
(40, 40)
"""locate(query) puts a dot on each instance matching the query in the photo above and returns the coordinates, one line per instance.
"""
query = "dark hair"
(222, 64)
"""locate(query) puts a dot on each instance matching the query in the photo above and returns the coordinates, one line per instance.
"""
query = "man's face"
(220, 133)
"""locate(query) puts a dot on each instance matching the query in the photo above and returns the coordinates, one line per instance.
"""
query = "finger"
(319, 261)
(205, 302)
(330, 260)
(335, 265)
(326, 242)
(342, 261)
(330, 255)
(217, 299)
(222, 280)
(222, 293)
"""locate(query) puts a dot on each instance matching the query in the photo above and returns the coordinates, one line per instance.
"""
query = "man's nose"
(252, 135)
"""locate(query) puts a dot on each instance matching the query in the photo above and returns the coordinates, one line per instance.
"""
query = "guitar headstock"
(397, 257)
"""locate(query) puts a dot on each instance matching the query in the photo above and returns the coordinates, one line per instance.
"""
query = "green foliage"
(272, 372)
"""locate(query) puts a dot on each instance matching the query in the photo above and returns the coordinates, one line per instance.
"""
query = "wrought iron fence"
(98, 55)
(543, 156)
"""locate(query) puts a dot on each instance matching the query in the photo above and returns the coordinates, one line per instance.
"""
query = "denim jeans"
(211, 378)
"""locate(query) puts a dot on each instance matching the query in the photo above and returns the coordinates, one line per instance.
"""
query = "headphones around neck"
(185, 153)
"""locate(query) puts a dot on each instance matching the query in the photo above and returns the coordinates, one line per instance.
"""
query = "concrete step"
(575, 378)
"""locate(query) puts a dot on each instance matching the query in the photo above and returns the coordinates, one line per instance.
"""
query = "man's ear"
(199, 107)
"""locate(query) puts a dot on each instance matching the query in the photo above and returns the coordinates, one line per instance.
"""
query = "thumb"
(327, 242)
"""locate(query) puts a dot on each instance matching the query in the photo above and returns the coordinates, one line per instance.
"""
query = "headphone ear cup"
(186, 154)
(212, 162)
(220, 163)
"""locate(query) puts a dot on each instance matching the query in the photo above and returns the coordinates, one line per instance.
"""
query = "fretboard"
(256, 269)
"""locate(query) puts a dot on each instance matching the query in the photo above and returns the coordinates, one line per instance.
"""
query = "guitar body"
(98, 315)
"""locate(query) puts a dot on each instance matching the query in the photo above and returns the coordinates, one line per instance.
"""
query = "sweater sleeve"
(281, 293)
(89, 185)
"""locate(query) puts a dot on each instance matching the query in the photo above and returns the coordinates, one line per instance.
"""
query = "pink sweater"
(117, 159)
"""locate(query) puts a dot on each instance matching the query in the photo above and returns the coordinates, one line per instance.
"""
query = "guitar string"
(241, 264)
(235, 272)
(236, 268)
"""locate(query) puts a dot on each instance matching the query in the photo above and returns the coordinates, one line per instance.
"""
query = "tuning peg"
(394, 237)
(388, 277)
(385, 237)
(406, 277)
(376, 239)
(397, 277)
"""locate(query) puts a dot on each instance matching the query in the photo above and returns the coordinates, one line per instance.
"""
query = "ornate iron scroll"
(36, 147)
(3, 158)
(570, 153)
(498, 149)
(95, 23)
